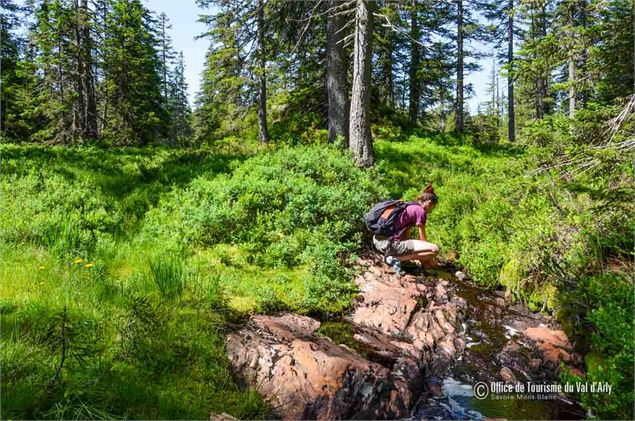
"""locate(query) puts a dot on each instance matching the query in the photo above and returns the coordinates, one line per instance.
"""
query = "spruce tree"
(132, 69)
(178, 105)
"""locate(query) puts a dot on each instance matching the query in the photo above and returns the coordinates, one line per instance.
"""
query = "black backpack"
(382, 218)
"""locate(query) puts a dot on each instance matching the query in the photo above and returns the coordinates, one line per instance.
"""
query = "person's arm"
(422, 232)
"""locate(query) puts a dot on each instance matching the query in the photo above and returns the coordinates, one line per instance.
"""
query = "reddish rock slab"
(305, 376)
(542, 334)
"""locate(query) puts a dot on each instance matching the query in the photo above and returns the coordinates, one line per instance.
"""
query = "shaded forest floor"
(123, 268)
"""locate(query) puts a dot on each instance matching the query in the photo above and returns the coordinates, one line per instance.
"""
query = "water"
(488, 332)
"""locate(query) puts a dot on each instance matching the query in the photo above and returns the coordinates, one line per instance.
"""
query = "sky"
(183, 16)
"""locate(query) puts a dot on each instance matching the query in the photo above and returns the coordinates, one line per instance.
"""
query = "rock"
(459, 344)
(553, 344)
(440, 294)
(500, 302)
(222, 417)
(543, 334)
(577, 372)
(387, 307)
(507, 375)
(511, 346)
(460, 275)
(508, 296)
(409, 278)
(407, 330)
(552, 355)
(305, 376)
(447, 347)
(535, 363)
(577, 359)
(435, 390)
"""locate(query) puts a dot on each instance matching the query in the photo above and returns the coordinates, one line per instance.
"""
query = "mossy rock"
(511, 276)
(542, 296)
(592, 360)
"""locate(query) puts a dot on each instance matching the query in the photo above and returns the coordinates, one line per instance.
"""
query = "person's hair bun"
(429, 189)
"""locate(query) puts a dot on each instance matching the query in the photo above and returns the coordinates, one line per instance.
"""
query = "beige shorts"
(402, 247)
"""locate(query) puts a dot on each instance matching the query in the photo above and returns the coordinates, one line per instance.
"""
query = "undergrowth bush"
(288, 207)
(603, 307)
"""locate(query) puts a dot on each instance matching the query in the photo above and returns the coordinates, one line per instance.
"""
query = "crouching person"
(399, 247)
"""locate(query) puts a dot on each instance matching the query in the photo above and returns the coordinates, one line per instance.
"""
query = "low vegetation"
(124, 267)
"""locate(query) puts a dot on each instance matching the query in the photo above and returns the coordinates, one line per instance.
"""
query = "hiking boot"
(395, 264)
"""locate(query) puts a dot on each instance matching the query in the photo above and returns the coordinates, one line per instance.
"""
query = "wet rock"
(511, 346)
(440, 294)
(435, 390)
(543, 334)
(507, 375)
(459, 345)
(553, 344)
(407, 331)
(535, 363)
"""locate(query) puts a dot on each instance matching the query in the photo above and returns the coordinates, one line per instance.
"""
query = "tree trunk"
(387, 70)
(544, 77)
(88, 80)
(511, 120)
(263, 132)
(361, 142)
(336, 74)
(571, 67)
(459, 68)
(571, 88)
(415, 86)
(585, 50)
(164, 59)
(79, 116)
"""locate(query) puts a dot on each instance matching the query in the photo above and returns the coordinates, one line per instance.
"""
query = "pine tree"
(237, 25)
(10, 81)
(225, 83)
(132, 67)
(178, 105)
(166, 52)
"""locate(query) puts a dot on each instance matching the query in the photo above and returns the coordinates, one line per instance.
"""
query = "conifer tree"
(178, 105)
(132, 67)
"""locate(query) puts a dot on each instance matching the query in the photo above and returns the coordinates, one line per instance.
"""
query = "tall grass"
(167, 273)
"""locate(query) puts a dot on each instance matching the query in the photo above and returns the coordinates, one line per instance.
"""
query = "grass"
(80, 295)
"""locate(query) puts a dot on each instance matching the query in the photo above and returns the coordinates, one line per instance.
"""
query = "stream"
(492, 342)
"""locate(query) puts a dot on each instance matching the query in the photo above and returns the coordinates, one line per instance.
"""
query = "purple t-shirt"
(413, 215)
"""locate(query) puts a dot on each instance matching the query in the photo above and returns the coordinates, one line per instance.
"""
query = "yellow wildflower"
(78, 260)
(41, 267)
(89, 265)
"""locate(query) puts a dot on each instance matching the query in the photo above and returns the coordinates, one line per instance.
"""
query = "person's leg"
(423, 251)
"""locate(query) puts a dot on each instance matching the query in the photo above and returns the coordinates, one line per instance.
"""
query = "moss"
(341, 332)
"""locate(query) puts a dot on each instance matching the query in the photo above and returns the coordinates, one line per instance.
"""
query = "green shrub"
(300, 205)
(606, 303)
